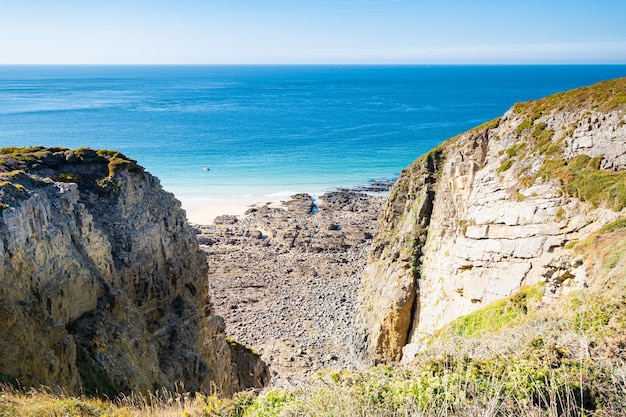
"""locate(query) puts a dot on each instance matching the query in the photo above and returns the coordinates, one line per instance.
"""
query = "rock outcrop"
(490, 211)
(103, 286)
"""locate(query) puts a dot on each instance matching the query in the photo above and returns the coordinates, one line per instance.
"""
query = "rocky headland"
(491, 211)
(102, 283)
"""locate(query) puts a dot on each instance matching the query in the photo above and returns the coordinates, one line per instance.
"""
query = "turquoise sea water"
(266, 132)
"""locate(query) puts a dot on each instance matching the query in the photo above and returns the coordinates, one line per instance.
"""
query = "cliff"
(490, 211)
(103, 287)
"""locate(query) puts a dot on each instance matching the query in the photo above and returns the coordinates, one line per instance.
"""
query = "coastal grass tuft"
(542, 382)
(604, 96)
(43, 402)
(485, 127)
(543, 139)
(505, 165)
(67, 177)
(496, 315)
(582, 178)
(618, 225)
(116, 165)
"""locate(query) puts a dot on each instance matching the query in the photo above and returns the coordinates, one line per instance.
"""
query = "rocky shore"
(285, 277)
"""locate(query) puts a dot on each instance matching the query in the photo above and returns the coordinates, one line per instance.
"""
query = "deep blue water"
(266, 130)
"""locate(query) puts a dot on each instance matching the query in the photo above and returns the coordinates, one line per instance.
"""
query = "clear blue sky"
(311, 31)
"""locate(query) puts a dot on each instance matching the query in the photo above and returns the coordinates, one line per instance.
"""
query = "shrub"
(505, 165)
(67, 177)
(116, 165)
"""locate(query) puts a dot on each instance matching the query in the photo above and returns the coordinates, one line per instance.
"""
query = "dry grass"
(603, 96)
(44, 402)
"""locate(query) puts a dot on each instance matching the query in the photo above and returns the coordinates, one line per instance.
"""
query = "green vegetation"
(491, 124)
(107, 184)
(618, 225)
(15, 152)
(512, 153)
(582, 178)
(67, 177)
(514, 150)
(14, 173)
(235, 345)
(116, 165)
(522, 127)
(107, 153)
(453, 386)
(31, 166)
(10, 193)
(46, 403)
(543, 139)
(505, 165)
(603, 96)
(30, 154)
(496, 315)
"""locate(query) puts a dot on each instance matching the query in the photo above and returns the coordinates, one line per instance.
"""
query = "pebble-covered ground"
(286, 278)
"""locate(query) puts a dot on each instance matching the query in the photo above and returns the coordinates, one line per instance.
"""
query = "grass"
(603, 96)
(543, 139)
(43, 402)
(117, 165)
(115, 160)
(618, 225)
(95, 170)
(505, 165)
(496, 315)
(582, 178)
(67, 177)
(452, 386)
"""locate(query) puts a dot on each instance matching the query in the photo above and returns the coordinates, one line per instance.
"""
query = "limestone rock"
(102, 282)
(491, 210)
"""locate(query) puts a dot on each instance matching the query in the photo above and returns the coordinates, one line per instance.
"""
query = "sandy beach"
(204, 212)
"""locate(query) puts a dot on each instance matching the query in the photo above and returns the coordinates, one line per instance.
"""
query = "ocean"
(231, 134)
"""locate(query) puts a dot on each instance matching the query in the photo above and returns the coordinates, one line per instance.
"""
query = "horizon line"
(327, 64)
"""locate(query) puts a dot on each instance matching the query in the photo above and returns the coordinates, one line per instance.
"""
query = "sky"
(312, 32)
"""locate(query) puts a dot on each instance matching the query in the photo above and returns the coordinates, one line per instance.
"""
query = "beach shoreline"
(204, 211)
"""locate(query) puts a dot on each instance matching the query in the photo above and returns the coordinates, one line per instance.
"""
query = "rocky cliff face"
(490, 211)
(102, 283)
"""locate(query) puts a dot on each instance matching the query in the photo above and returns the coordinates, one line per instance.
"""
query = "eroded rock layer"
(490, 211)
(102, 283)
